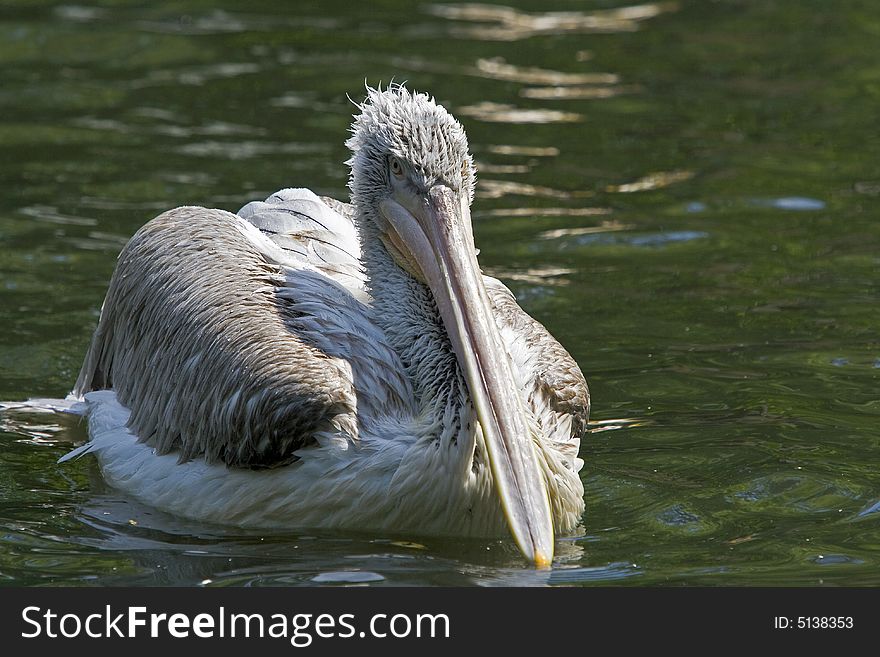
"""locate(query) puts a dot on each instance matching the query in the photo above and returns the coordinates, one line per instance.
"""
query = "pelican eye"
(396, 167)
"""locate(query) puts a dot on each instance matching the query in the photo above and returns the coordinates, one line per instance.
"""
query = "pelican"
(308, 363)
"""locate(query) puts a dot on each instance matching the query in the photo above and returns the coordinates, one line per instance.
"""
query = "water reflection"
(548, 275)
(652, 181)
(221, 22)
(497, 68)
(79, 13)
(162, 548)
(543, 212)
(793, 203)
(604, 227)
(609, 573)
(501, 23)
(577, 93)
(197, 75)
(486, 167)
(51, 215)
(530, 151)
(499, 188)
(506, 113)
(244, 150)
(596, 238)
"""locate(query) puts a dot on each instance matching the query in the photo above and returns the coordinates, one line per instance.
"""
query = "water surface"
(685, 193)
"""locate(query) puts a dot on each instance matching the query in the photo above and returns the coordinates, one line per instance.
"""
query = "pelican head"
(412, 175)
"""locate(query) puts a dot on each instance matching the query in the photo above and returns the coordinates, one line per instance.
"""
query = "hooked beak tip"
(542, 562)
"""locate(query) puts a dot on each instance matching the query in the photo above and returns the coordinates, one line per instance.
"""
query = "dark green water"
(686, 194)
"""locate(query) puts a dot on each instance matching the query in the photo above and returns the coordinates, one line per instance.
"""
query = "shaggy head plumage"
(412, 127)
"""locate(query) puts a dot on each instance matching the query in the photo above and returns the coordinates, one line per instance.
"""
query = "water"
(686, 194)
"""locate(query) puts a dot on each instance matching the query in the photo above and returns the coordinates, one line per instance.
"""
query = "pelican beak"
(435, 238)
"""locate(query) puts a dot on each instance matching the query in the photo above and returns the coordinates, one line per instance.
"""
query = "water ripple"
(529, 151)
(547, 275)
(501, 23)
(243, 150)
(543, 212)
(603, 238)
(498, 188)
(505, 113)
(578, 93)
(795, 203)
(611, 572)
(51, 215)
(652, 181)
(497, 68)
(347, 577)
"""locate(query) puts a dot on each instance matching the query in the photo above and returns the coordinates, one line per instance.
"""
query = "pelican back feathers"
(195, 338)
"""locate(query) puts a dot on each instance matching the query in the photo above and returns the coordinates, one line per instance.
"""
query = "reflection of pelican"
(314, 364)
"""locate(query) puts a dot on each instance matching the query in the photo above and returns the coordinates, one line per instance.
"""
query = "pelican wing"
(200, 337)
(310, 231)
(555, 387)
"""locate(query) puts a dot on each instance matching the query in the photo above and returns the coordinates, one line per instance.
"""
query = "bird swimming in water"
(310, 363)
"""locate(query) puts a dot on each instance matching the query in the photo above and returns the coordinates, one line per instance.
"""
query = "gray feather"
(556, 378)
(191, 301)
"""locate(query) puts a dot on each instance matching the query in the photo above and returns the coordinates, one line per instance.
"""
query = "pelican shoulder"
(551, 379)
